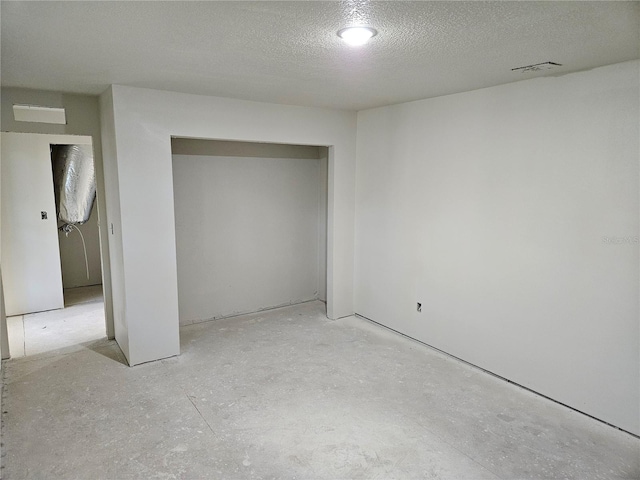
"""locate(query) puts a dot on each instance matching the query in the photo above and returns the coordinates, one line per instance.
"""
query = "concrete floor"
(81, 321)
(289, 394)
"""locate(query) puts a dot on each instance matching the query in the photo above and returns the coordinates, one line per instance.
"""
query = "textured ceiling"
(288, 52)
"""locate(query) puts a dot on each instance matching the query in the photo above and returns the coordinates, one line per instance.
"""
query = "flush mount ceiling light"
(356, 36)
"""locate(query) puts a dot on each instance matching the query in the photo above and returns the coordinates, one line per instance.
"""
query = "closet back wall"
(250, 226)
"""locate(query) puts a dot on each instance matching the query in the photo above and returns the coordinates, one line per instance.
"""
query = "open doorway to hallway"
(52, 275)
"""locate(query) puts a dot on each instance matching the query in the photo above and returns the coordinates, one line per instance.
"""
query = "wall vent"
(37, 114)
(537, 67)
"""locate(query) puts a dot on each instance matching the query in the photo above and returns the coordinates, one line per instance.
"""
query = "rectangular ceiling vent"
(37, 114)
(537, 67)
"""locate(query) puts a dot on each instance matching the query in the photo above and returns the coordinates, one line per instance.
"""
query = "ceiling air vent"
(537, 67)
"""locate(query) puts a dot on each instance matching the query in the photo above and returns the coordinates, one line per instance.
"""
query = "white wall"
(247, 228)
(83, 118)
(322, 223)
(512, 214)
(113, 222)
(140, 153)
(4, 337)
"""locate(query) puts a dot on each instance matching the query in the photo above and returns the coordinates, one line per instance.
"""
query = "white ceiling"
(288, 52)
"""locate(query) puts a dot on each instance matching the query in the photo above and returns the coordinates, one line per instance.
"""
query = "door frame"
(104, 260)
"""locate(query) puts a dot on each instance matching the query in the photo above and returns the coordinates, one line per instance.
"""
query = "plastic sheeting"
(74, 180)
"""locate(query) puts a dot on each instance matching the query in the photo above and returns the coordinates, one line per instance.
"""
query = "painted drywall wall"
(144, 122)
(4, 335)
(114, 223)
(183, 146)
(247, 229)
(3, 317)
(322, 223)
(83, 118)
(223, 148)
(511, 213)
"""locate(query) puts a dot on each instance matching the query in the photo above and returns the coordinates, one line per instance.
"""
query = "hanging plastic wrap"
(74, 181)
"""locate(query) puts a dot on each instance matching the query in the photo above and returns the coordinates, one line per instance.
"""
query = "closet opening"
(251, 226)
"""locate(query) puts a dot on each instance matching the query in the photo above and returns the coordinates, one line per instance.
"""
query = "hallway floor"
(81, 321)
(290, 394)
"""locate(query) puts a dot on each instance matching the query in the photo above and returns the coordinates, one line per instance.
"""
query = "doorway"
(52, 277)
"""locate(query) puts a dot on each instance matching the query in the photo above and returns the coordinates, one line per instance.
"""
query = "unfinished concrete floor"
(289, 394)
(81, 321)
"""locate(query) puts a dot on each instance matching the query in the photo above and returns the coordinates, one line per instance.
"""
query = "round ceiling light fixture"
(356, 36)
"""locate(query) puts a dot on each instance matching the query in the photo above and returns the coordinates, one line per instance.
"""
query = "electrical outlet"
(419, 307)
(43, 215)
